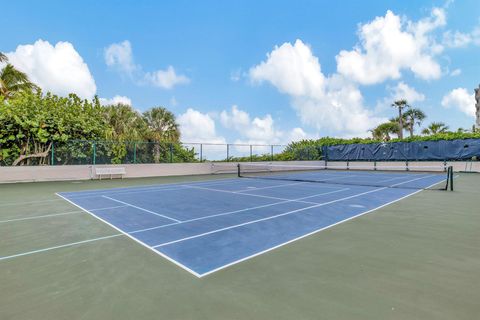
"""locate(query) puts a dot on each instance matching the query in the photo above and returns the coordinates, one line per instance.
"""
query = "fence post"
(251, 154)
(201, 152)
(52, 161)
(228, 152)
(171, 152)
(134, 152)
(94, 152)
(271, 152)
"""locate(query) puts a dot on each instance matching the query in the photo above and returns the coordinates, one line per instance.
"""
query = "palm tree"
(125, 124)
(13, 80)
(413, 117)
(162, 124)
(3, 57)
(400, 105)
(162, 128)
(434, 128)
(383, 131)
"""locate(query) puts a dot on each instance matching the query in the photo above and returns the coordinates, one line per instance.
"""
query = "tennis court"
(375, 245)
(204, 227)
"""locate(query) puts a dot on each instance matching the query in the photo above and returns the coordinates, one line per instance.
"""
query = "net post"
(238, 170)
(52, 160)
(451, 177)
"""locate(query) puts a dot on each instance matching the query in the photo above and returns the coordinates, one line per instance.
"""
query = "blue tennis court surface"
(206, 226)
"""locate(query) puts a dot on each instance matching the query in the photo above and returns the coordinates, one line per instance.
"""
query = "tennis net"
(389, 176)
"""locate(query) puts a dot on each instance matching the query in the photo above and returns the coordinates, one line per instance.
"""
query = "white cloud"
(404, 91)
(461, 99)
(259, 130)
(456, 72)
(166, 79)
(459, 39)
(456, 39)
(332, 103)
(116, 100)
(198, 127)
(119, 56)
(388, 45)
(292, 69)
(59, 69)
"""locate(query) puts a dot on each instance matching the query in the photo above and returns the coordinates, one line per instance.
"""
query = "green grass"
(418, 258)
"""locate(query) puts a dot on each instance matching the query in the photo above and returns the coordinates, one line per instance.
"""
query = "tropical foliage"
(13, 80)
(33, 123)
(435, 128)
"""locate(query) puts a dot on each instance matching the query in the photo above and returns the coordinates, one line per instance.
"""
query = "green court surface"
(418, 258)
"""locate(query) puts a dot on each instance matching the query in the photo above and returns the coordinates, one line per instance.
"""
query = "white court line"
(27, 202)
(40, 217)
(236, 211)
(147, 188)
(133, 238)
(279, 215)
(267, 218)
(271, 187)
(55, 214)
(174, 261)
(311, 233)
(58, 247)
(246, 194)
(142, 209)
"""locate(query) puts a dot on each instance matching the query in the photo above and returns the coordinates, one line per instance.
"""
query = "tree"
(3, 57)
(400, 105)
(13, 81)
(163, 131)
(31, 122)
(413, 117)
(383, 131)
(124, 123)
(162, 125)
(434, 128)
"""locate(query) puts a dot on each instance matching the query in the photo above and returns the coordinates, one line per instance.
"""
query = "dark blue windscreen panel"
(400, 151)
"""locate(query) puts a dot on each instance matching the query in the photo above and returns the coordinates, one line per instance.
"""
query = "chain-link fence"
(80, 152)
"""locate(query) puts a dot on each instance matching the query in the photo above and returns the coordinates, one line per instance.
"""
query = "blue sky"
(258, 72)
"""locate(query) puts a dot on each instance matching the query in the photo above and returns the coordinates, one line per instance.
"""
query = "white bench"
(109, 171)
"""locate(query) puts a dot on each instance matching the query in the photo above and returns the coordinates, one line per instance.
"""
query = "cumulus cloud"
(404, 91)
(332, 103)
(389, 44)
(257, 130)
(166, 79)
(119, 56)
(461, 99)
(116, 100)
(196, 126)
(57, 68)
